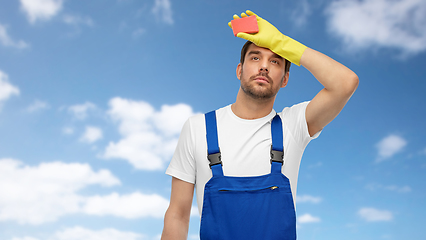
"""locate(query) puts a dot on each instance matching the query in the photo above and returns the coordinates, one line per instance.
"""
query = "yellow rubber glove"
(269, 37)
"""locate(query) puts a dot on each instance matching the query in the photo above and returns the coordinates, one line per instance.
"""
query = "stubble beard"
(258, 91)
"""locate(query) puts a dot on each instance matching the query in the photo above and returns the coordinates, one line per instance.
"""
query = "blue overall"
(259, 207)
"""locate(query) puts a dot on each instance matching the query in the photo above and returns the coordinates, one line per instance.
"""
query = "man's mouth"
(261, 79)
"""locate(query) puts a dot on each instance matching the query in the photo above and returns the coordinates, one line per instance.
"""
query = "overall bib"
(259, 207)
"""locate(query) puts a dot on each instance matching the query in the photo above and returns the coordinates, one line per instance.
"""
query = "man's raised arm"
(339, 84)
(339, 81)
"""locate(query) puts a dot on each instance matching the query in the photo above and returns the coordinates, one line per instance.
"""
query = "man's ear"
(285, 79)
(239, 68)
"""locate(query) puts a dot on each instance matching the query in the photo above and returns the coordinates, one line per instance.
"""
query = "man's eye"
(274, 61)
(255, 58)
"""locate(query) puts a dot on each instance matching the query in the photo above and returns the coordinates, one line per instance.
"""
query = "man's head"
(261, 72)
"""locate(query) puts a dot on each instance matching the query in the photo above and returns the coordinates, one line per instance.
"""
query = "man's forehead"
(256, 49)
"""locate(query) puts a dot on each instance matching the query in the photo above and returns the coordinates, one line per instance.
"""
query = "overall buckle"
(277, 156)
(215, 159)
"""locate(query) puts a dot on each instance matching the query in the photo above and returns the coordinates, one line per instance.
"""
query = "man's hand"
(269, 37)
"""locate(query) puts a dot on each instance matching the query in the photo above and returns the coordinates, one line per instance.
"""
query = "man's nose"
(263, 67)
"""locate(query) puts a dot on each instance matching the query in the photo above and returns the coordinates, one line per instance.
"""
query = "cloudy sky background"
(93, 95)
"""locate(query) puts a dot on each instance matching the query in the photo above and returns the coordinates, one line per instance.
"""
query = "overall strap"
(213, 151)
(277, 148)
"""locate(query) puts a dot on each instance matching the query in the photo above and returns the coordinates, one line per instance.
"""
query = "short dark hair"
(244, 51)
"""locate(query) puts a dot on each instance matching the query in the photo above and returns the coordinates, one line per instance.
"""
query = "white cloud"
(135, 205)
(79, 233)
(7, 90)
(41, 9)
(363, 24)
(315, 165)
(39, 194)
(307, 218)
(80, 111)
(393, 188)
(301, 13)
(7, 41)
(148, 137)
(24, 238)
(91, 134)
(68, 130)
(423, 152)
(375, 215)
(390, 146)
(194, 211)
(43, 193)
(400, 189)
(308, 199)
(37, 105)
(171, 118)
(140, 149)
(163, 11)
(138, 32)
(130, 206)
(194, 236)
(78, 20)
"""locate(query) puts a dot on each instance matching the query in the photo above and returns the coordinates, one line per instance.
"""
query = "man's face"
(262, 74)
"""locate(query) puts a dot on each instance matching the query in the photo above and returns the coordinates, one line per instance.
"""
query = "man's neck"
(246, 107)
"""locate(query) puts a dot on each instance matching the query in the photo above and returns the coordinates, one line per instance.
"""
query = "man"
(244, 128)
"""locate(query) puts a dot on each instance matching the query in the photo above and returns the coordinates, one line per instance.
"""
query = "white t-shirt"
(244, 145)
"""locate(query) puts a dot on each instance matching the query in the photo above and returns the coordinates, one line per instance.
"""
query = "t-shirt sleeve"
(182, 165)
(295, 120)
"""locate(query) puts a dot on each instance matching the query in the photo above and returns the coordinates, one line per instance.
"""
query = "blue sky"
(93, 95)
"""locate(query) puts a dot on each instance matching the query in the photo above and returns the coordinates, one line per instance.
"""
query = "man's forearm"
(334, 76)
(175, 228)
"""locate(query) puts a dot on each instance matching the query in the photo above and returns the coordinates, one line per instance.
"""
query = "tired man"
(243, 159)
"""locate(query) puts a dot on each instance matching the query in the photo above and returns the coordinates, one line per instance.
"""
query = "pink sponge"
(245, 24)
